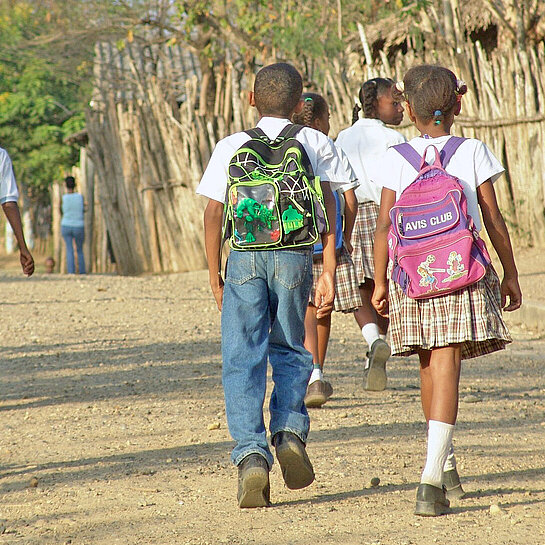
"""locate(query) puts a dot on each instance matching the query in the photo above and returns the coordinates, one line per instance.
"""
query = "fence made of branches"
(151, 135)
(504, 108)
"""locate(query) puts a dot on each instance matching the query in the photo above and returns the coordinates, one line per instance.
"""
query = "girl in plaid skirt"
(315, 114)
(466, 323)
(365, 142)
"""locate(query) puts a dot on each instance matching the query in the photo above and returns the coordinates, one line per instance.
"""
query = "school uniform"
(347, 294)
(8, 185)
(471, 316)
(365, 143)
(264, 303)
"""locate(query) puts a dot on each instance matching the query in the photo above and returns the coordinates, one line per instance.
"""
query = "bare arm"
(499, 236)
(325, 287)
(11, 210)
(350, 213)
(213, 216)
(380, 293)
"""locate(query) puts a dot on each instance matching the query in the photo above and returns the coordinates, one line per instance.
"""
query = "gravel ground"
(114, 430)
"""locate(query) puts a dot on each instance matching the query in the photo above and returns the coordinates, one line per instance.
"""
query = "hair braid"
(355, 113)
(314, 105)
(369, 93)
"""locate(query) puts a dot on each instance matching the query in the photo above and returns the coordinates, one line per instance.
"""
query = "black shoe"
(374, 374)
(431, 501)
(253, 482)
(293, 459)
(451, 481)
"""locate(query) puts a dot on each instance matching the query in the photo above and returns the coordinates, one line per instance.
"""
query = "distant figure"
(49, 265)
(72, 226)
(8, 199)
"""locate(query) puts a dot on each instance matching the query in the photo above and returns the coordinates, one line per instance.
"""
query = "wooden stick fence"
(146, 154)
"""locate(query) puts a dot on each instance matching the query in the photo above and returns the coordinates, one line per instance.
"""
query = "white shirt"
(473, 163)
(8, 186)
(365, 143)
(320, 149)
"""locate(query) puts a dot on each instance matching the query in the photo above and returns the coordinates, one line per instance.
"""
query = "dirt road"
(113, 430)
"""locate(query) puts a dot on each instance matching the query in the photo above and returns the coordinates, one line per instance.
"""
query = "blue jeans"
(264, 303)
(71, 234)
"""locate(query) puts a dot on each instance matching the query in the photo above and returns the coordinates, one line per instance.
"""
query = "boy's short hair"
(277, 89)
(70, 182)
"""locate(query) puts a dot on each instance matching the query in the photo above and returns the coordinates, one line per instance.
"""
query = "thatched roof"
(392, 31)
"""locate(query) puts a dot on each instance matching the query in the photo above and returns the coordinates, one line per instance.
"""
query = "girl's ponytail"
(355, 113)
(314, 105)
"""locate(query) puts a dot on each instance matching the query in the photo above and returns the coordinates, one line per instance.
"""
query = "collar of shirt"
(272, 126)
(368, 122)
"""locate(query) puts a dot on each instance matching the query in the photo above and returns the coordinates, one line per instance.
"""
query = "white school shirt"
(365, 143)
(320, 149)
(8, 186)
(473, 163)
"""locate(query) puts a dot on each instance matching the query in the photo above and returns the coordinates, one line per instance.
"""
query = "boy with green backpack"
(266, 189)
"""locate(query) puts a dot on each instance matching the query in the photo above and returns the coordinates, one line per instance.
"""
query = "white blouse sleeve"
(487, 166)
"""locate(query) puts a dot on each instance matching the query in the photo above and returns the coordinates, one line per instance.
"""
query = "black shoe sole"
(315, 401)
(431, 509)
(375, 378)
(296, 467)
(255, 490)
(456, 493)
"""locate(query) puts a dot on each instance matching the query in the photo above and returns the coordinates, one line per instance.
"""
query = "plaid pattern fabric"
(363, 238)
(471, 316)
(347, 293)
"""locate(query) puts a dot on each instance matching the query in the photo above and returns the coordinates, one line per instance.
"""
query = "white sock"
(370, 333)
(316, 374)
(439, 442)
(451, 460)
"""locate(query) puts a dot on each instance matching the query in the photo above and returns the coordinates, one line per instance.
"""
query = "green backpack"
(273, 198)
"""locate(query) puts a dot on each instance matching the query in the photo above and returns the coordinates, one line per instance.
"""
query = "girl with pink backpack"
(441, 325)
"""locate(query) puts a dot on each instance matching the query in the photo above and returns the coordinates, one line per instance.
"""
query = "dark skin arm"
(379, 298)
(11, 210)
(213, 217)
(499, 236)
(325, 287)
(350, 212)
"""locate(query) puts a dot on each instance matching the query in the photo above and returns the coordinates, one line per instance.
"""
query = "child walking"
(315, 114)
(265, 294)
(365, 143)
(463, 324)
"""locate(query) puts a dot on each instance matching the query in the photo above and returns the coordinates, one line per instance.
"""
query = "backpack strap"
(289, 131)
(449, 149)
(256, 133)
(410, 154)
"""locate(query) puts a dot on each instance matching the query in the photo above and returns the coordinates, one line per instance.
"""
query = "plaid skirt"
(471, 317)
(363, 238)
(347, 293)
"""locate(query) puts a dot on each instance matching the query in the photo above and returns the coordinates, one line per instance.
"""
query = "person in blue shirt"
(72, 226)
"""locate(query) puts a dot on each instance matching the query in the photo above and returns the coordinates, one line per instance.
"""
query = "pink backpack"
(433, 243)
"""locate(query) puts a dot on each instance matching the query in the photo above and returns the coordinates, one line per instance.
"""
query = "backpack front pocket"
(447, 265)
(254, 215)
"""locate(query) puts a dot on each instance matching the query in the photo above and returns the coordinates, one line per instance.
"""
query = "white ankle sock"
(451, 460)
(439, 442)
(316, 374)
(370, 333)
